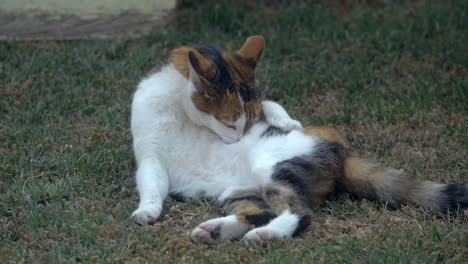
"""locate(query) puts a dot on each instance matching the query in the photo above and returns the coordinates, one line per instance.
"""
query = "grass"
(391, 75)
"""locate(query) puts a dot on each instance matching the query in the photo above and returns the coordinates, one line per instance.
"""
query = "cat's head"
(224, 89)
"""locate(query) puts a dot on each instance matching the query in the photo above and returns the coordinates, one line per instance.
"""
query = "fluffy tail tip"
(454, 196)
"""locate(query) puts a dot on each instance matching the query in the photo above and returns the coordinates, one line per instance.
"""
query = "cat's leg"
(152, 184)
(293, 216)
(244, 209)
(277, 116)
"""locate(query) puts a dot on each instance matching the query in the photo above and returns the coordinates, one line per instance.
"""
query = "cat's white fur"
(182, 150)
(280, 227)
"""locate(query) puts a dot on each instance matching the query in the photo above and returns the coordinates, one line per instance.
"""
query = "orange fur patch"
(253, 49)
(326, 133)
(242, 219)
(229, 110)
(252, 110)
(180, 59)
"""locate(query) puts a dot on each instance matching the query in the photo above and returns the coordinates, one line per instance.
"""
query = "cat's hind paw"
(261, 236)
(146, 215)
(206, 234)
(225, 228)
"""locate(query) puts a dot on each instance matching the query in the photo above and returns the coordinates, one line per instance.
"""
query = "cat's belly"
(209, 179)
(207, 168)
(203, 165)
(269, 151)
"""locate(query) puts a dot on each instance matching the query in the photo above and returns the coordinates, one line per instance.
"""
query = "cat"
(201, 128)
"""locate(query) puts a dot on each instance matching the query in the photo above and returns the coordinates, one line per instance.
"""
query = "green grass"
(390, 76)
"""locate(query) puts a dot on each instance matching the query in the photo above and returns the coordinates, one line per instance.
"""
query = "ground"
(392, 77)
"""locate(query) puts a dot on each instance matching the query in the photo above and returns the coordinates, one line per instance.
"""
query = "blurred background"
(84, 19)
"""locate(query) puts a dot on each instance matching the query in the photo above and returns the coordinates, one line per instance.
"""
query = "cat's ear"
(201, 72)
(252, 50)
(200, 66)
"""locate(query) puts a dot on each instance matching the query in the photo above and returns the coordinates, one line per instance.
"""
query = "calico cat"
(201, 128)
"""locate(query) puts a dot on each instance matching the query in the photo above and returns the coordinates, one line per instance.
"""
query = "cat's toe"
(205, 233)
(146, 215)
(260, 237)
(223, 228)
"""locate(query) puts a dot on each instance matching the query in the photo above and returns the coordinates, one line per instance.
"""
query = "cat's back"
(162, 87)
(156, 98)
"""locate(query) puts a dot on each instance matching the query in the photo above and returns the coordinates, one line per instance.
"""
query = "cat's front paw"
(261, 236)
(225, 228)
(146, 215)
(286, 124)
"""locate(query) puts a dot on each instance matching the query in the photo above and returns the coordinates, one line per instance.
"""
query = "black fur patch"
(216, 232)
(305, 173)
(260, 219)
(457, 196)
(222, 78)
(289, 173)
(274, 131)
(248, 93)
(177, 197)
(304, 222)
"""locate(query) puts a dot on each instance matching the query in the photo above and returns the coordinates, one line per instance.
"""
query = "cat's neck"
(190, 111)
(177, 92)
(184, 98)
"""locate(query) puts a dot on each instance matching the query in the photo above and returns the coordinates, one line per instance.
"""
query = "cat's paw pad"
(206, 234)
(146, 215)
(261, 236)
(286, 124)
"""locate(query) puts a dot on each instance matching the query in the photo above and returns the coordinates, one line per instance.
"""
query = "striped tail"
(374, 181)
